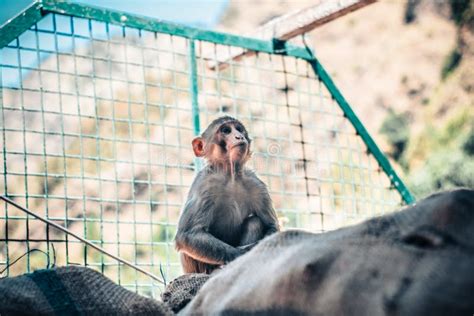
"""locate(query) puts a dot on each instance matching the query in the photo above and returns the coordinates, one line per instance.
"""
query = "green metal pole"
(193, 83)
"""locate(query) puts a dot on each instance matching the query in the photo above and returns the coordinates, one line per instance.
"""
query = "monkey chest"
(232, 207)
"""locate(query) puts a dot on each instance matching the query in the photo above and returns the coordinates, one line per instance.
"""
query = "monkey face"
(224, 142)
(233, 141)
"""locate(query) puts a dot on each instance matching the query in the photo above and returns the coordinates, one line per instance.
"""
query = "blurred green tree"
(395, 127)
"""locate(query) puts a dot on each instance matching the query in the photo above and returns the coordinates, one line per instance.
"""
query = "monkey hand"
(247, 248)
(234, 254)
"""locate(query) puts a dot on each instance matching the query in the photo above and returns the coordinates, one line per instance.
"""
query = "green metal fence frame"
(35, 12)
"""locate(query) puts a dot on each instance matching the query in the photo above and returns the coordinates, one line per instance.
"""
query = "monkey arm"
(271, 230)
(272, 224)
(194, 239)
(206, 248)
(268, 216)
(265, 210)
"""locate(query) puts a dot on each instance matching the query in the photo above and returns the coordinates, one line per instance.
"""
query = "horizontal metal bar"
(96, 199)
(155, 25)
(295, 23)
(92, 219)
(23, 21)
(104, 242)
(67, 241)
(304, 20)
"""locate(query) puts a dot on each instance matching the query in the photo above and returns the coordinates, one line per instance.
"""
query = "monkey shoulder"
(209, 190)
(257, 191)
(252, 181)
(200, 193)
(208, 180)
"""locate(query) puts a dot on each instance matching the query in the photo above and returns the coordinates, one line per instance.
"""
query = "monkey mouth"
(239, 144)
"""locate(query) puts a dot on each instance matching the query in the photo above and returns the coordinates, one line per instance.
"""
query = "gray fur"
(419, 261)
(228, 209)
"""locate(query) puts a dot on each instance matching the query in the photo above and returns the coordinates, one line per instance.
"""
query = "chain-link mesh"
(317, 168)
(97, 122)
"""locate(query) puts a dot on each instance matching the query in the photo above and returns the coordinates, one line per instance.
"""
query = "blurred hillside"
(407, 69)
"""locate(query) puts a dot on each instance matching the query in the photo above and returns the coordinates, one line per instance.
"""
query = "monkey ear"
(198, 146)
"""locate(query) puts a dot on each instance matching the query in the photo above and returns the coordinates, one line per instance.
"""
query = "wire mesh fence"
(97, 121)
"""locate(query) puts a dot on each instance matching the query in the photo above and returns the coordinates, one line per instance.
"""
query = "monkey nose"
(239, 137)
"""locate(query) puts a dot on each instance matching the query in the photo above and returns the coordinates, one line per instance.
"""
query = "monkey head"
(225, 143)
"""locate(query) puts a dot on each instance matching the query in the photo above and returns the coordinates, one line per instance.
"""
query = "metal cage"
(98, 109)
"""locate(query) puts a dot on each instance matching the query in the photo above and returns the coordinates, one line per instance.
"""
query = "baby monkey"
(228, 209)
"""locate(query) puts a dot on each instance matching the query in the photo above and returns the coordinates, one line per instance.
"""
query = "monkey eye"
(226, 129)
(239, 128)
(426, 239)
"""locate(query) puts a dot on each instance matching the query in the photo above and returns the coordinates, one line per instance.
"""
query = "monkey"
(228, 209)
